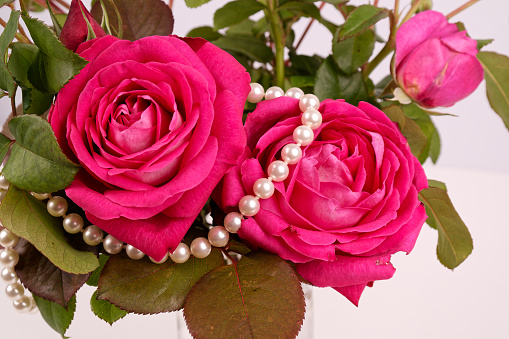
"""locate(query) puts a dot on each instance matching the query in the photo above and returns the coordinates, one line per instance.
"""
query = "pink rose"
(155, 124)
(350, 202)
(436, 64)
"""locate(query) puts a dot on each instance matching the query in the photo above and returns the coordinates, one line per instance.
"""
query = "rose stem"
(276, 30)
(396, 9)
(375, 3)
(461, 8)
(20, 36)
(308, 27)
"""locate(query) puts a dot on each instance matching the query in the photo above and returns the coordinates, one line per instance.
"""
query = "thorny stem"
(396, 9)
(461, 8)
(308, 27)
(386, 50)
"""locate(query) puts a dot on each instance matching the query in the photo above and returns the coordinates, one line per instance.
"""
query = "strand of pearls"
(9, 258)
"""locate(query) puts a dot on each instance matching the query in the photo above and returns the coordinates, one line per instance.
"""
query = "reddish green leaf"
(409, 128)
(140, 18)
(454, 239)
(43, 278)
(258, 297)
(140, 286)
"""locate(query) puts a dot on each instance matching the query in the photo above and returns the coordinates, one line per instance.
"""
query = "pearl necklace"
(201, 247)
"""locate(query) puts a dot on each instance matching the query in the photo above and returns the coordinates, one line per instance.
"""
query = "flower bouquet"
(220, 172)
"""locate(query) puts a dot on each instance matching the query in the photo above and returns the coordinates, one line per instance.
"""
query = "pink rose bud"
(435, 63)
(75, 30)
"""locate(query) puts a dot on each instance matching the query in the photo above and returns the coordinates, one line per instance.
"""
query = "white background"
(423, 299)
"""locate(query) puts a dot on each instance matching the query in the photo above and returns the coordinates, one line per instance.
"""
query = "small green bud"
(424, 5)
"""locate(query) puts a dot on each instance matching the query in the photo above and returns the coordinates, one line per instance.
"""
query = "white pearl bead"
(273, 93)
(278, 170)
(41, 196)
(218, 236)
(14, 291)
(263, 188)
(303, 135)
(256, 94)
(93, 235)
(57, 206)
(294, 92)
(233, 222)
(162, 261)
(181, 253)
(249, 205)
(312, 118)
(133, 252)
(291, 154)
(200, 247)
(9, 275)
(8, 239)
(23, 304)
(309, 101)
(4, 184)
(73, 223)
(9, 257)
(112, 245)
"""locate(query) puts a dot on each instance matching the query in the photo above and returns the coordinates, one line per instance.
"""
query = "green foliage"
(409, 128)
(250, 47)
(6, 81)
(93, 280)
(360, 19)
(36, 162)
(258, 297)
(21, 59)
(330, 82)
(454, 239)
(28, 217)
(140, 286)
(496, 73)
(302, 9)
(352, 53)
(195, 3)
(56, 316)
(43, 278)
(235, 12)
(105, 310)
(53, 65)
(205, 32)
(5, 143)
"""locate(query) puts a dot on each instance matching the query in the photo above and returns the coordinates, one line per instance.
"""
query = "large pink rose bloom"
(155, 124)
(435, 63)
(350, 202)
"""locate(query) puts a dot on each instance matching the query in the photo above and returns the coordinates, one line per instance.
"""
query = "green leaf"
(302, 8)
(93, 280)
(496, 73)
(436, 183)
(258, 297)
(43, 278)
(57, 317)
(235, 12)
(251, 47)
(331, 83)
(106, 310)
(305, 64)
(195, 3)
(54, 65)
(22, 57)
(454, 239)
(4, 146)
(422, 118)
(205, 32)
(5, 2)
(350, 54)
(483, 42)
(6, 81)
(36, 162)
(362, 18)
(302, 81)
(140, 18)
(410, 129)
(140, 286)
(28, 217)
